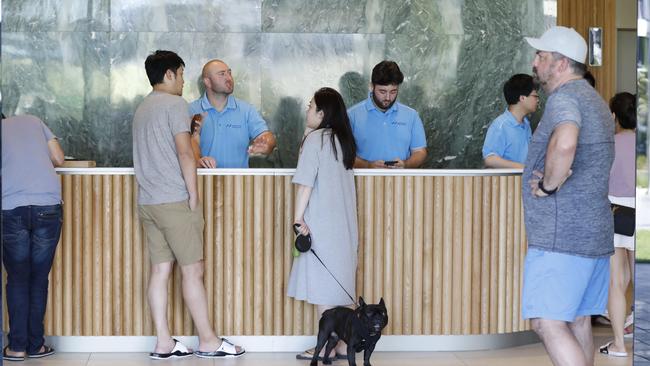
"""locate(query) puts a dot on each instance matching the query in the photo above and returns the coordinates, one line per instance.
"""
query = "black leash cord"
(334, 277)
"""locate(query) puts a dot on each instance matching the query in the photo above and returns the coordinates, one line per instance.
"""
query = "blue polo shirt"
(508, 138)
(226, 135)
(386, 135)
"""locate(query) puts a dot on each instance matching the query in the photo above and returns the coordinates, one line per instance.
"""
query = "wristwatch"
(540, 185)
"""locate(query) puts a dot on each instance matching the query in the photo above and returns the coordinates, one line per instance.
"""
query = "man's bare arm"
(416, 159)
(188, 166)
(559, 155)
(196, 148)
(497, 162)
(365, 164)
(263, 144)
(56, 152)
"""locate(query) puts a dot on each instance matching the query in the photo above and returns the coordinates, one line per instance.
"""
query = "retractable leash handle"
(303, 242)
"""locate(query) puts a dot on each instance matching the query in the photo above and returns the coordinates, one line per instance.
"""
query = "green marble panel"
(67, 63)
(315, 16)
(63, 78)
(415, 17)
(51, 16)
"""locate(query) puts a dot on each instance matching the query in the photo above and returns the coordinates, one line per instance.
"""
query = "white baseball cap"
(563, 40)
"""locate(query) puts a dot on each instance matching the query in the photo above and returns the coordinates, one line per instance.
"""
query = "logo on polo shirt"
(396, 123)
(232, 125)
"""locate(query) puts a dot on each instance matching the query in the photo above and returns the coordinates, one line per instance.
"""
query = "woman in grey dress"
(325, 207)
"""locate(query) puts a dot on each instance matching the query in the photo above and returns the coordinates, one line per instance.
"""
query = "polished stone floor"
(530, 355)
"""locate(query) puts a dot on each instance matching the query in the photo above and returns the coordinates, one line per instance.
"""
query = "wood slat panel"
(445, 253)
(439, 264)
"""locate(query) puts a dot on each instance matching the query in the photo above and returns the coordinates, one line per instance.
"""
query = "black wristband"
(540, 185)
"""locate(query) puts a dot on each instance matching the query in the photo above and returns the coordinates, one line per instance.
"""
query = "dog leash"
(334, 277)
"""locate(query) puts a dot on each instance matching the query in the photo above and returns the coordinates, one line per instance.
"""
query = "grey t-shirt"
(577, 219)
(28, 176)
(157, 120)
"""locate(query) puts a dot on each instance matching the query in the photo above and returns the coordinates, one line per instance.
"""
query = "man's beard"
(537, 80)
(228, 91)
(224, 89)
(379, 104)
(223, 92)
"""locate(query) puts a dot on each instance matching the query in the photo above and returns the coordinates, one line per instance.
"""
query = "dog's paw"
(327, 361)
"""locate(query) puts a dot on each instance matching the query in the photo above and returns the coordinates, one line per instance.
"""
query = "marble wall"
(79, 64)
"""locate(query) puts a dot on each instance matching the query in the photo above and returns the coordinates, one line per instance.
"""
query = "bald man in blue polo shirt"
(388, 133)
(230, 129)
(507, 138)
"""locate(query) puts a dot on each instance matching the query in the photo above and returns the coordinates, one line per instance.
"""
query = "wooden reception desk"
(445, 248)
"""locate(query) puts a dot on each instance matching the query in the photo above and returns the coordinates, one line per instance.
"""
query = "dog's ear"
(361, 302)
(382, 303)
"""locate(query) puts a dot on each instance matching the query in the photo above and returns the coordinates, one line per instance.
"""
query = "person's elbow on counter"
(496, 162)
(56, 152)
(416, 159)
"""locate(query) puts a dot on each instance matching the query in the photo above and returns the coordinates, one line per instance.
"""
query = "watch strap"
(540, 185)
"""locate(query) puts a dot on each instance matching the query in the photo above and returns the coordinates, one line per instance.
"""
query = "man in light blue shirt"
(507, 138)
(388, 134)
(230, 129)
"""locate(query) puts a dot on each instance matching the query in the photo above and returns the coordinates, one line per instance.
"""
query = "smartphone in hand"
(390, 162)
(196, 123)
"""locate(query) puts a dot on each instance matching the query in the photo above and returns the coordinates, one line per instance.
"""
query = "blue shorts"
(561, 286)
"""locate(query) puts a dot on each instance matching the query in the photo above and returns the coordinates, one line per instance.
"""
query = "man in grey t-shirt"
(168, 207)
(32, 215)
(569, 230)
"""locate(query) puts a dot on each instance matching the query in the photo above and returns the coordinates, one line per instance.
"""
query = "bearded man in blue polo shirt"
(507, 138)
(230, 129)
(388, 133)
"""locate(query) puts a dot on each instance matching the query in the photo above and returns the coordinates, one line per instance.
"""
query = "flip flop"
(308, 355)
(47, 351)
(226, 350)
(605, 350)
(179, 351)
(5, 356)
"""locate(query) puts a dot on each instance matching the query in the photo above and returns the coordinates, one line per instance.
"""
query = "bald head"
(217, 77)
(211, 64)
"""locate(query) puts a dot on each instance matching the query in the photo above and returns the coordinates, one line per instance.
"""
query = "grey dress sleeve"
(307, 169)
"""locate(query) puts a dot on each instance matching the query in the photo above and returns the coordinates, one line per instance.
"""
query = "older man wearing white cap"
(570, 230)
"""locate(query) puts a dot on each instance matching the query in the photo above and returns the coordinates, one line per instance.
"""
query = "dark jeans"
(29, 238)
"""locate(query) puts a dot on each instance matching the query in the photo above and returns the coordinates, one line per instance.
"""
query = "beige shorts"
(173, 231)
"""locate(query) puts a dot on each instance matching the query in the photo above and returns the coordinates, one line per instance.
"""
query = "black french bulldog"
(360, 329)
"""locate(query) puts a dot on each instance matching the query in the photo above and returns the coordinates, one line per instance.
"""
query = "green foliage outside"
(643, 246)
(642, 179)
(641, 171)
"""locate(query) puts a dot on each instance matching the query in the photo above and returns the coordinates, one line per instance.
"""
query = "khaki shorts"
(173, 231)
